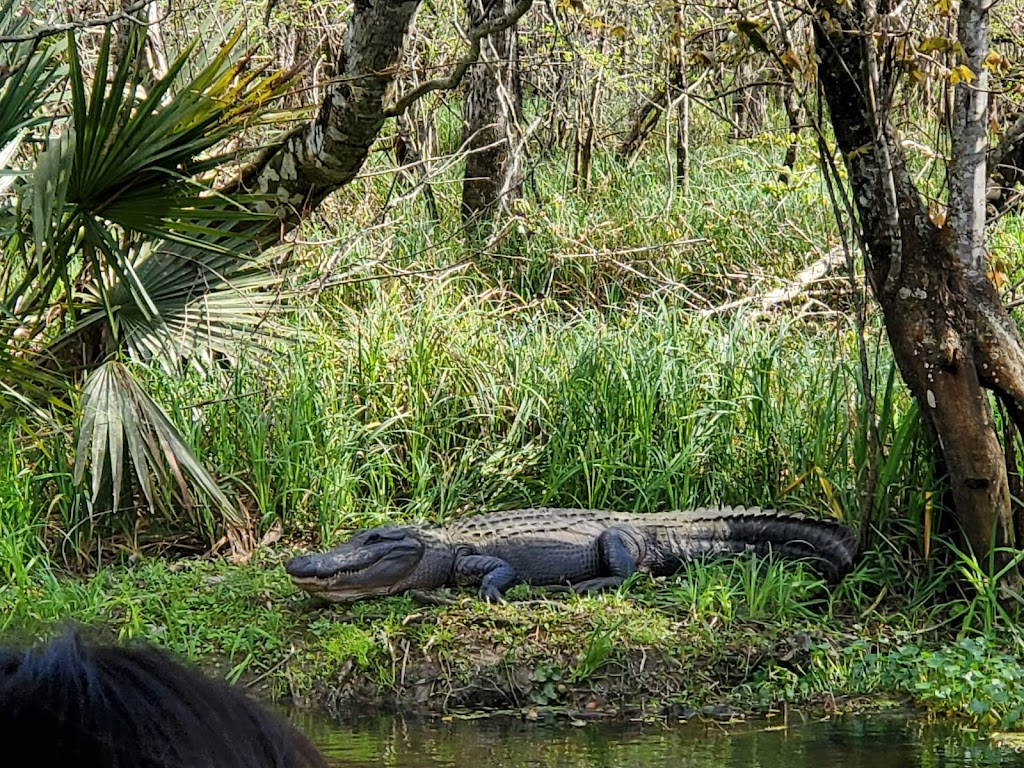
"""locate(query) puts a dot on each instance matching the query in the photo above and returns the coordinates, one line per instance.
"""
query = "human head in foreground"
(69, 703)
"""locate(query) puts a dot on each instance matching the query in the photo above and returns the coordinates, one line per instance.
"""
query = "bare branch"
(476, 36)
(125, 14)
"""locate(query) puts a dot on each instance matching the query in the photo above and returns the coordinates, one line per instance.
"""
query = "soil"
(542, 655)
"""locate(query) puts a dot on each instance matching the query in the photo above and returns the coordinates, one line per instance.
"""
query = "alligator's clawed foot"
(311, 603)
(430, 598)
(492, 595)
(596, 585)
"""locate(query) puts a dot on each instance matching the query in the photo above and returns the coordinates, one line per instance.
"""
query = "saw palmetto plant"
(118, 251)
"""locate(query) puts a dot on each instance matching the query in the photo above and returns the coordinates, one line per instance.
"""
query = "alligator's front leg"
(492, 573)
(621, 548)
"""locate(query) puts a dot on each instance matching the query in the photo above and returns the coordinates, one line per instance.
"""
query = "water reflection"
(854, 742)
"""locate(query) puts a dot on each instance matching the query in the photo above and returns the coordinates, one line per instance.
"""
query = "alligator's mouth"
(371, 563)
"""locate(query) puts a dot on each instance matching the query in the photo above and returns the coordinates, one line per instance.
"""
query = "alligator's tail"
(829, 546)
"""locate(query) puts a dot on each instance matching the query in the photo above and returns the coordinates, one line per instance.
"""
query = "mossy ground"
(700, 641)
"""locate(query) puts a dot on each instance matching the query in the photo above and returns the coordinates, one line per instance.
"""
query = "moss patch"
(653, 648)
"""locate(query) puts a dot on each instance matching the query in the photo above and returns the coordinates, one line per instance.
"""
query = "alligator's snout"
(303, 567)
(373, 562)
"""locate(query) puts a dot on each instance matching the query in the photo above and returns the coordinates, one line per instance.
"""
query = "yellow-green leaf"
(937, 43)
(961, 74)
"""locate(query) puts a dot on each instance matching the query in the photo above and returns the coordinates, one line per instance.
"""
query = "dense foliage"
(618, 341)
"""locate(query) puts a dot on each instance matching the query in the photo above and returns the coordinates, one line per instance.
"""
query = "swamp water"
(843, 742)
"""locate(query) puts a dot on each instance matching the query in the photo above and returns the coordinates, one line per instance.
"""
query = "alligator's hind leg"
(621, 548)
(492, 573)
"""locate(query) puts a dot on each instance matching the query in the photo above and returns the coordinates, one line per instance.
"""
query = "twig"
(273, 669)
(476, 36)
(318, 285)
(819, 271)
(125, 14)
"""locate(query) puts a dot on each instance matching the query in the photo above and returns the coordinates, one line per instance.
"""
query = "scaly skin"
(583, 549)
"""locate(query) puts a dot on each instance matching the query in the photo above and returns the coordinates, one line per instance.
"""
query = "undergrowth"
(579, 361)
(748, 634)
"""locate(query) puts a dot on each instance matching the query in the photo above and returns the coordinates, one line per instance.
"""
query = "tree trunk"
(1006, 166)
(680, 86)
(790, 96)
(325, 154)
(643, 118)
(583, 143)
(748, 104)
(492, 112)
(412, 154)
(588, 92)
(949, 333)
(791, 100)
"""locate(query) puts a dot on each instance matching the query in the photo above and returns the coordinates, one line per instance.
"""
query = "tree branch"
(476, 36)
(125, 14)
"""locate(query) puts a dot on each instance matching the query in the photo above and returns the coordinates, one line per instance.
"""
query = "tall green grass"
(565, 365)
(21, 520)
(443, 406)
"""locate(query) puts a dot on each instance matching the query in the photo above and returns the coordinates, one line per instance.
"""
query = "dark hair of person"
(69, 703)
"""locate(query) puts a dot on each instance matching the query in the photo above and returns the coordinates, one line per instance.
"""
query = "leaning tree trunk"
(295, 175)
(326, 153)
(491, 112)
(950, 335)
(643, 119)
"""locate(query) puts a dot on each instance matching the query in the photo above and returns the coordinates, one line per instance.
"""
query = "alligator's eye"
(373, 538)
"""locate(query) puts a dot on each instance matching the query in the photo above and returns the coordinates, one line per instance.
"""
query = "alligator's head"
(375, 562)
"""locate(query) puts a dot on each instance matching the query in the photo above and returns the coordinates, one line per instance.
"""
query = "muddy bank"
(742, 639)
(594, 659)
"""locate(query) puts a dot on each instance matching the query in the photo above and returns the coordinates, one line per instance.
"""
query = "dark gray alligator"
(584, 549)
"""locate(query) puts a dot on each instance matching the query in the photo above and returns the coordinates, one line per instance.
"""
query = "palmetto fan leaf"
(23, 383)
(169, 277)
(172, 302)
(117, 245)
(120, 421)
(136, 155)
(27, 72)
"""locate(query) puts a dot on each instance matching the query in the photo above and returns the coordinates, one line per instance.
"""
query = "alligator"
(580, 549)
